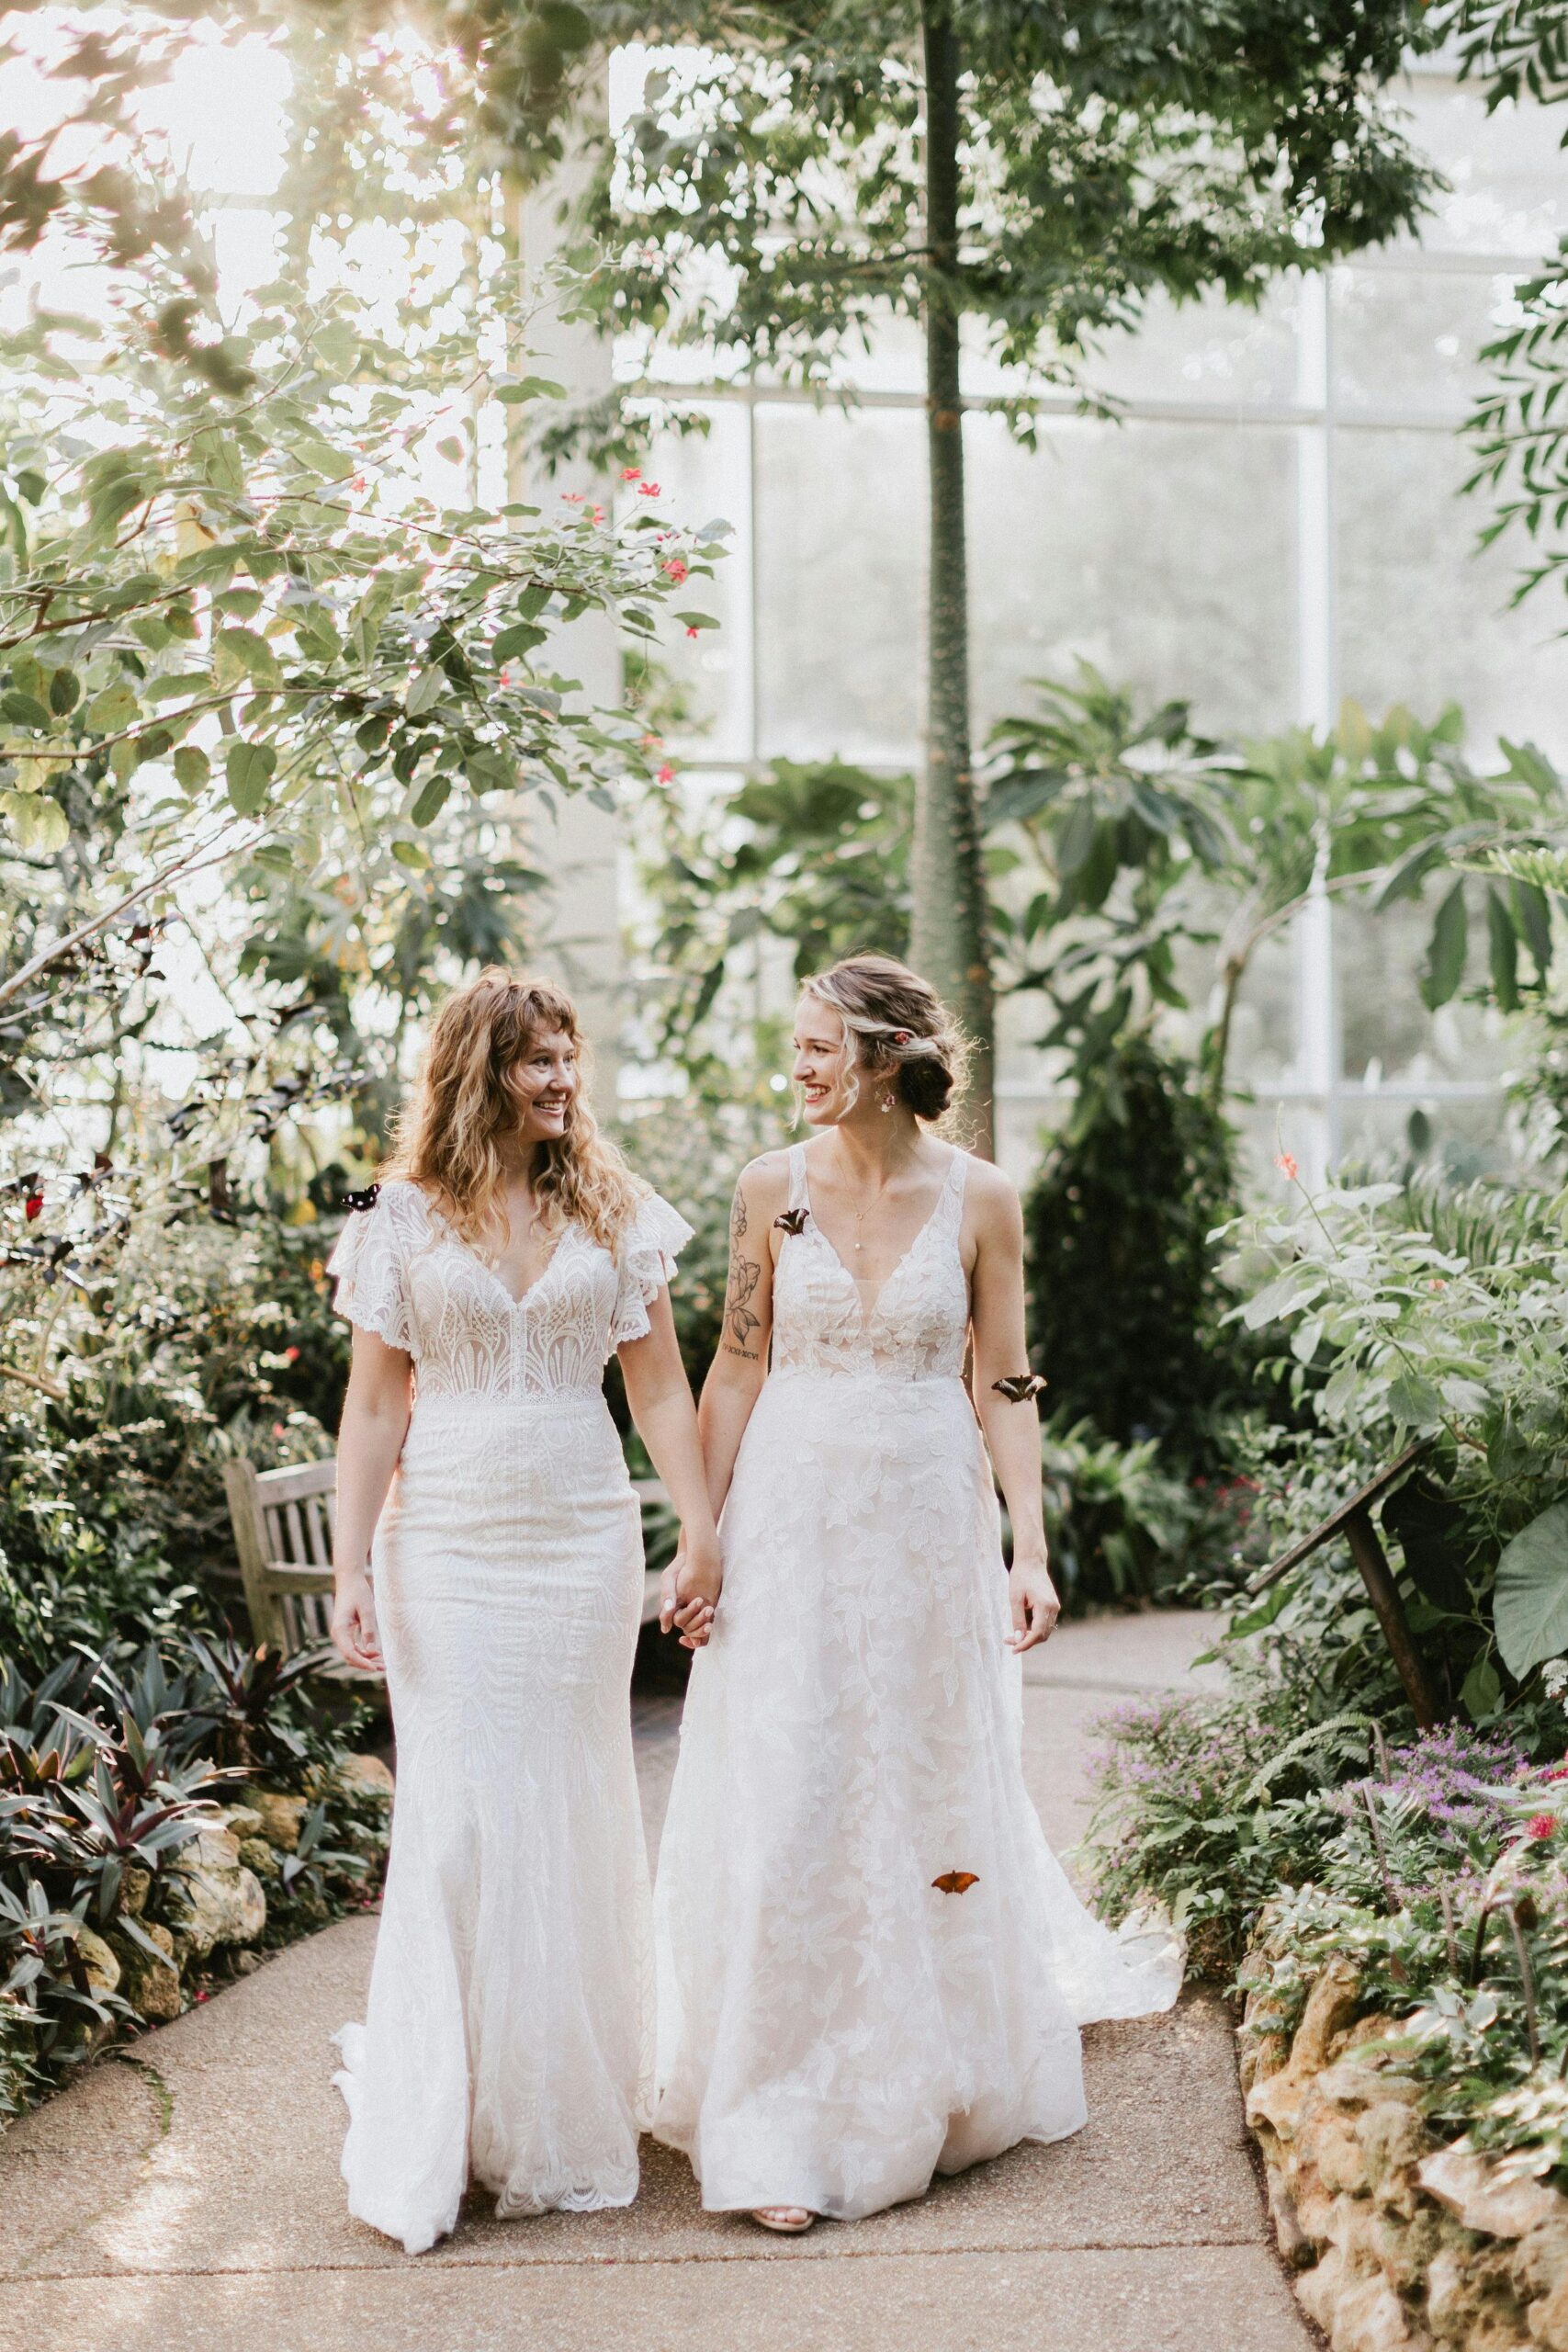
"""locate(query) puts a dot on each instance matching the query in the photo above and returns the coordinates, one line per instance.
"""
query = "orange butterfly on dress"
(955, 1882)
(793, 1221)
(1018, 1386)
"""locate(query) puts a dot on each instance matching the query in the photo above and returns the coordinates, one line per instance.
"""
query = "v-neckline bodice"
(477, 1257)
(869, 1314)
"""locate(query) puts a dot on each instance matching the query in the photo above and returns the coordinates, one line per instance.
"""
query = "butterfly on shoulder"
(1018, 1386)
(955, 1882)
(365, 1200)
(792, 1221)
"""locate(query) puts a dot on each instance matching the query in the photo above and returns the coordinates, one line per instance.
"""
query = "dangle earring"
(889, 1103)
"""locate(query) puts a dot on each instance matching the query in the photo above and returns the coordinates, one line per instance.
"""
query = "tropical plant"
(794, 177)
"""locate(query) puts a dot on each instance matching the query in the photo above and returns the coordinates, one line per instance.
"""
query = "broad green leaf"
(521, 638)
(697, 620)
(241, 653)
(1530, 1603)
(411, 855)
(1444, 957)
(432, 798)
(38, 821)
(1504, 949)
(532, 600)
(425, 689)
(116, 707)
(249, 769)
(1481, 1694)
(24, 710)
(64, 692)
(192, 767)
(530, 387)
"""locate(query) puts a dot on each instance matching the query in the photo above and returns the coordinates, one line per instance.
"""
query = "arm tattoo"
(737, 1216)
(739, 1318)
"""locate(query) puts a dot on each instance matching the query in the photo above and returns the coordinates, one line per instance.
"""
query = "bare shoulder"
(764, 1182)
(993, 1200)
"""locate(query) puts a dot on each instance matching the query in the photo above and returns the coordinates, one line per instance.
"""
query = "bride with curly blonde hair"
(487, 1553)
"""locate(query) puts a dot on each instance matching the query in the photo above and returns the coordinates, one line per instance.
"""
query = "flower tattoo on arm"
(740, 1319)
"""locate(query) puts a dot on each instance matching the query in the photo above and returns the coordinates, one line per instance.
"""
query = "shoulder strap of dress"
(797, 1193)
(957, 1178)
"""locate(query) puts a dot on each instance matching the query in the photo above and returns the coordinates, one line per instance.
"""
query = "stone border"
(1399, 2243)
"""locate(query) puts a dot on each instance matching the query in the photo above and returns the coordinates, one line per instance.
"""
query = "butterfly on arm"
(793, 1221)
(365, 1200)
(955, 1882)
(1019, 1387)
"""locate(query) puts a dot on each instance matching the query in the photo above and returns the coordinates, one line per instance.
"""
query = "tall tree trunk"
(949, 943)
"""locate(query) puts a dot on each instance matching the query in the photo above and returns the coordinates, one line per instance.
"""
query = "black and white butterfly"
(365, 1200)
(1018, 1386)
(792, 1221)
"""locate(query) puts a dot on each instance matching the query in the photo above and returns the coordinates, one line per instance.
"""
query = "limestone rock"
(1470, 2301)
(218, 1899)
(1540, 2258)
(153, 1990)
(135, 1886)
(1469, 2187)
(243, 1821)
(98, 1960)
(1357, 2312)
(1296, 2249)
(260, 1855)
(1393, 2139)
(279, 1817)
(365, 1773)
(1278, 2100)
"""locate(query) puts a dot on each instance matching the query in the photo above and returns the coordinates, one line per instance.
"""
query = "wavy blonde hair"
(450, 1135)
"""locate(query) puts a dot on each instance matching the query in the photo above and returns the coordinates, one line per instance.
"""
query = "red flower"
(1556, 1772)
(291, 1355)
(598, 513)
(630, 473)
(1544, 1825)
(1287, 1166)
(667, 773)
(647, 490)
(650, 742)
(574, 498)
(690, 632)
(34, 1203)
(674, 568)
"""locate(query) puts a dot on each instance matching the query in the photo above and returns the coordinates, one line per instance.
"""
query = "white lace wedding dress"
(509, 2031)
(833, 2027)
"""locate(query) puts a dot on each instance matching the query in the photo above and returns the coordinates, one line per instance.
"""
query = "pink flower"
(674, 568)
(598, 513)
(631, 473)
(690, 632)
(667, 773)
(277, 1428)
(1556, 1772)
(574, 498)
(1544, 1825)
(291, 1355)
(647, 490)
(1287, 1166)
(650, 742)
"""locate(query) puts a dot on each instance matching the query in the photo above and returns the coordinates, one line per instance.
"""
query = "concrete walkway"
(188, 2201)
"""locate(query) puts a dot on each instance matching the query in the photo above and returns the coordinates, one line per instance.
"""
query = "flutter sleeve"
(370, 1266)
(645, 1261)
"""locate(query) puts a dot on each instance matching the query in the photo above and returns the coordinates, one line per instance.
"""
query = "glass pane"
(841, 582)
(1423, 618)
(708, 678)
(1162, 553)
(1465, 1138)
(1207, 351)
(1406, 340)
(1508, 191)
(1386, 1033)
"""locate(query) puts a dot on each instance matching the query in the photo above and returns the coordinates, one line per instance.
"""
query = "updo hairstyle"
(898, 1028)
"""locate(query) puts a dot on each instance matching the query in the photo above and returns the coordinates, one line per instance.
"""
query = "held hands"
(690, 1588)
(1035, 1607)
(354, 1622)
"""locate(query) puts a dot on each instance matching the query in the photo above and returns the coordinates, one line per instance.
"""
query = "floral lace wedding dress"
(509, 2029)
(833, 2026)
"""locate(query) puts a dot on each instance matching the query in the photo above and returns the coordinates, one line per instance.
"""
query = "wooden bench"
(283, 1523)
(1353, 1520)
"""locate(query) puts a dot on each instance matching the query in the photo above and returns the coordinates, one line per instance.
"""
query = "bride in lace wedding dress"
(508, 2036)
(871, 1965)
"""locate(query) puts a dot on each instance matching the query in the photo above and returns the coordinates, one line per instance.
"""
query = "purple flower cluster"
(1452, 1779)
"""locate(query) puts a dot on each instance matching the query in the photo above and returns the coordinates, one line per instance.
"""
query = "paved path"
(189, 2201)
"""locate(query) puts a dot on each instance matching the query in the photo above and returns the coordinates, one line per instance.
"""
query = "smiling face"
(824, 1062)
(542, 1084)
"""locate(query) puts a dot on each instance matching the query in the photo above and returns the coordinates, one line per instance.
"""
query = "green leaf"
(24, 710)
(521, 638)
(241, 653)
(249, 769)
(1481, 1694)
(64, 692)
(697, 620)
(532, 600)
(1444, 957)
(38, 821)
(1504, 947)
(411, 855)
(192, 767)
(1530, 1604)
(425, 689)
(433, 797)
(530, 387)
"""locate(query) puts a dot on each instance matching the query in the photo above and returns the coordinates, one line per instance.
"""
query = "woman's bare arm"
(661, 1399)
(371, 1438)
(1011, 1429)
(738, 1371)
